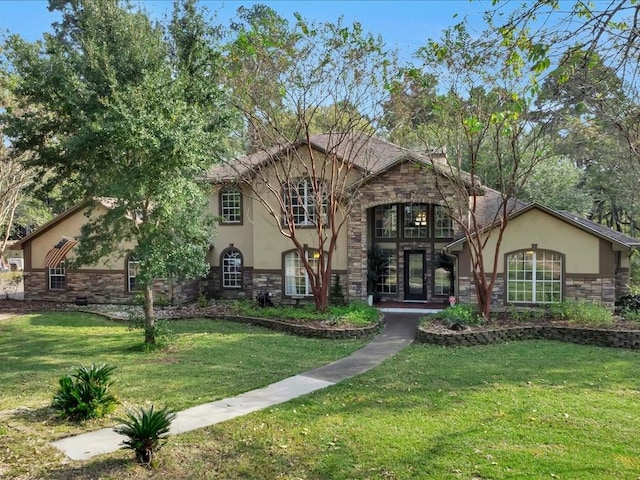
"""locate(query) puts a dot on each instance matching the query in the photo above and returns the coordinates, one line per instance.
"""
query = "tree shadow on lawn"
(118, 465)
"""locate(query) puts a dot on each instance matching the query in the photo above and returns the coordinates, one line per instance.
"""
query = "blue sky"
(404, 24)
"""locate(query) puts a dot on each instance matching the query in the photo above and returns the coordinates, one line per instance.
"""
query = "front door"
(414, 275)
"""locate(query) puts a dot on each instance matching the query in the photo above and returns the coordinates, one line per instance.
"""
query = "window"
(443, 225)
(388, 278)
(295, 275)
(301, 203)
(534, 277)
(231, 204)
(386, 221)
(132, 272)
(57, 277)
(231, 263)
(442, 281)
(415, 220)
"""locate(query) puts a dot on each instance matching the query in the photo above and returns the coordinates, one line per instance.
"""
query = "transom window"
(534, 277)
(295, 275)
(133, 265)
(301, 203)
(57, 277)
(443, 224)
(415, 220)
(231, 268)
(231, 204)
(388, 278)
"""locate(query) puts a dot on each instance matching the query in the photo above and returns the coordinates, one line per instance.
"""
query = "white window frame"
(231, 267)
(388, 281)
(300, 202)
(231, 204)
(442, 224)
(296, 278)
(57, 275)
(528, 282)
(132, 272)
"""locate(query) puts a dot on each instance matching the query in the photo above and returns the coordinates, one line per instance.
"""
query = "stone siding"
(104, 287)
(212, 285)
(598, 290)
(404, 183)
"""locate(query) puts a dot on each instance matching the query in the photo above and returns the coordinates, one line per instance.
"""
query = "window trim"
(228, 189)
(310, 218)
(534, 277)
(446, 212)
(59, 272)
(285, 255)
(131, 259)
(238, 275)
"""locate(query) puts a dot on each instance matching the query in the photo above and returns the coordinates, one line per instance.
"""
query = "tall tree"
(488, 124)
(122, 108)
(306, 77)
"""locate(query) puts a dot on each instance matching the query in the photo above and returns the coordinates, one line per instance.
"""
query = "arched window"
(231, 266)
(534, 276)
(132, 272)
(231, 204)
(296, 280)
(302, 204)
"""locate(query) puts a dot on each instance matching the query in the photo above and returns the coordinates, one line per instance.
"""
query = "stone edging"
(588, 336)
(305, 330)
(292, 328)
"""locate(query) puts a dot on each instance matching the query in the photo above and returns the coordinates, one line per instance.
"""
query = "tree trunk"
(149, 320)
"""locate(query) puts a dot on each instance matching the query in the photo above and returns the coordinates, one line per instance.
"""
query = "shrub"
(459, 314)
(85, 393)
(145, 429)
(581, 312)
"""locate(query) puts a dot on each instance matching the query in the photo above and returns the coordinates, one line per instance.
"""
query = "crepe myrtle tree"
(482, 117)
(306, 79)
(129, 113)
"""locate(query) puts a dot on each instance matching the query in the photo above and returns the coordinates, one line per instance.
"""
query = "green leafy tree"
(130, 113)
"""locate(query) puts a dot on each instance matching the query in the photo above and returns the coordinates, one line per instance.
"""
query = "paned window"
(388, 278)
(443, 225)
(231, 204)
(57, 277)
(231, 268)
(295, 275)
(534, 277)
(301, 203)
(415, 220)
(442, 281)
(133, 266)
(386, 221)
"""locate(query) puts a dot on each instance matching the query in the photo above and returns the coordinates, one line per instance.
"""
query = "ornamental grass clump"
(581, 313)
(145, 429)
(85, 393)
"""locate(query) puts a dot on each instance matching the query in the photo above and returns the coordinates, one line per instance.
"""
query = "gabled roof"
(581, 223)
(106, 202)
(50, 224)
(370, 154)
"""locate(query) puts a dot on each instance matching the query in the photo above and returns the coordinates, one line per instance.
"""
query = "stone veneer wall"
(622, 282)
(576, 287)
(405, 183)
(103, 287)
(212, 285)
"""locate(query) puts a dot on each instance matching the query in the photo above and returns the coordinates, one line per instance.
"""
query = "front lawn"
(532, 409)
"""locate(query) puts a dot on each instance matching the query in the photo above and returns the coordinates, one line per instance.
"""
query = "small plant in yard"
(459, 316)
(581, 312)
(85, 393)
(145, 429)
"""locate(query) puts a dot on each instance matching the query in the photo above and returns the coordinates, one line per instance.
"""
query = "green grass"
(521, 410)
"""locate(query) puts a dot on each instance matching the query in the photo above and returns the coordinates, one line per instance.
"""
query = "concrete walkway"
(399, 331)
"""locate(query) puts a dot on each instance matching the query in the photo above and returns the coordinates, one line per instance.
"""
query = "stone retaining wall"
(587, 336)
(304, 330)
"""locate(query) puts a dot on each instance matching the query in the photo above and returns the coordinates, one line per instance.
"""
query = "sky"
(403, 24)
